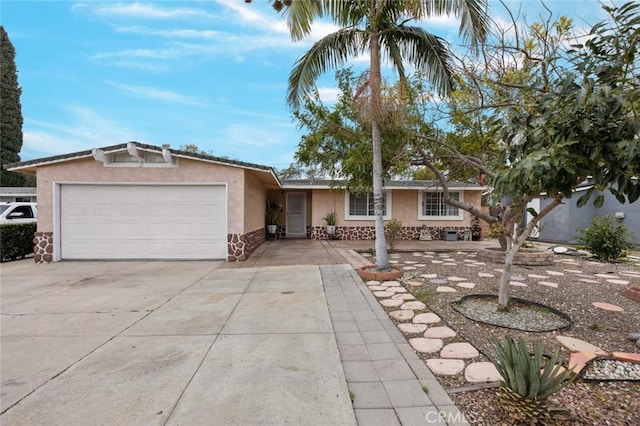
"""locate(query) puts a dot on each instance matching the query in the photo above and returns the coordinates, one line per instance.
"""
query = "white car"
(18, 212)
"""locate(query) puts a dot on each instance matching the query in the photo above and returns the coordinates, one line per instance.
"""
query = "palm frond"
(330, 52)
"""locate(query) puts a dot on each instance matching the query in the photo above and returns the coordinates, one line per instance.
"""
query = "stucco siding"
(188, 171)
(255, 201)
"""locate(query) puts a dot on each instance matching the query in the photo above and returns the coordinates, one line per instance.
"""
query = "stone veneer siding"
(524, 257)
(369, 232)
(240, 246)
(43, 247)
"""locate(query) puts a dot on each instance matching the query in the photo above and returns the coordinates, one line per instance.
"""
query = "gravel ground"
(581, 403)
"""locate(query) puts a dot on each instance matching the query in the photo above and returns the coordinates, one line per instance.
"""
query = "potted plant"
(330, 218)
(272, 215)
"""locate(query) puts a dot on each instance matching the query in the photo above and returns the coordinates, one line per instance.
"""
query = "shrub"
(393, 232)
(16, 240)
(606, 239)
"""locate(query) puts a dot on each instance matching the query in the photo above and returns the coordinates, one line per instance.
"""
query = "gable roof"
(29, 166)
(394, 184)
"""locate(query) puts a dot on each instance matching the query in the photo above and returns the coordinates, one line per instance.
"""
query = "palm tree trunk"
(382, 258)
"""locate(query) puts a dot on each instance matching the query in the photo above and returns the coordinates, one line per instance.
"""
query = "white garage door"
(143, 222)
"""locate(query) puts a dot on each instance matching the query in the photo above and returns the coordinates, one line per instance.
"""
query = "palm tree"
(379, 27)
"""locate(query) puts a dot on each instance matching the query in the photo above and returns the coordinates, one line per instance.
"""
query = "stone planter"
(526, 257)
(632, 293)
(369, 273)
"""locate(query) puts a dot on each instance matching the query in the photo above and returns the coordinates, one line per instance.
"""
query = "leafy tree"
(379, 28)
(10, 113)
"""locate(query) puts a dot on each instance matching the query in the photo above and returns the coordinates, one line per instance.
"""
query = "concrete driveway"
(184, 343)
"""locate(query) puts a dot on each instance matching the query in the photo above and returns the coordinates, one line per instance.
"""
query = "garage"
(136, 221)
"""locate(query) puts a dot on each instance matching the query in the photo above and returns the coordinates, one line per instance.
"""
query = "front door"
(296, 214)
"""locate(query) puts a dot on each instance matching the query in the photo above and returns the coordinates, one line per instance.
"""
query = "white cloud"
(145, 11)
(156, 94)
(329, 95)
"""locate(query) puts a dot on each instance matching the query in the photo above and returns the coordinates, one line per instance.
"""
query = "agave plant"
(527, 382)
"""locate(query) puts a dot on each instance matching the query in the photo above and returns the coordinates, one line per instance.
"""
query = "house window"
(360, 206)
(432, 206)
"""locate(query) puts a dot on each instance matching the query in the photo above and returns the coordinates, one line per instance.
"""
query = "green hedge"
(16, 240)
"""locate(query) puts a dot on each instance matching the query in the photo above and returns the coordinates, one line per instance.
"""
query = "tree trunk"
(382, 258)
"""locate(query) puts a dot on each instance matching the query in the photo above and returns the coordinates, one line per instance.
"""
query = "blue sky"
(210, 73)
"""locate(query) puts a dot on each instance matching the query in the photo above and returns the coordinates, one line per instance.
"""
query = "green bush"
(16, 240)
(393, 232)
(606, 239)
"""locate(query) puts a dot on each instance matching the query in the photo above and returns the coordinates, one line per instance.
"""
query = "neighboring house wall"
(20, 194)
(562, 223)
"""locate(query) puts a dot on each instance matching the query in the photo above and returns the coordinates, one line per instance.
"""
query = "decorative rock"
(445, 367)
(577, 345)
(621, 282)
(462, 350)
(456, 279)
(416, 305)
(373, 283)
(485, 275)
(427, 318)
(414, 283)
(439, 333)
(517, 284)
(403, 296)
(481, 372)
(412, 328)
(429, 276)
(555, 273)
(391, 303)
(466, 285)
(577, 360)
(607, 307)
(537, 277)
(548, 284)
(383, 293)
(445, 289)
(425, 346)
(402, 314)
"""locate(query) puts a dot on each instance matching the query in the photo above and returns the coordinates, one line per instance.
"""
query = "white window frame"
(421, 194)
(348, 216)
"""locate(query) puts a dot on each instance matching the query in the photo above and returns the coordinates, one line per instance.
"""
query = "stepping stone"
(588, 281)
(518, 278)
(425, 346)
(429, 276)
(439, 333)
(436, 261)
(445, 367)
(626, 356)
(517, 284)
(574, 271)
(537, 277)
(469, 260)
(420, 265)
(391, 284)
(577, 360)
(587, 276)
(377, 288)
(608, 307)
(416, 305)
(478, 264)
(402, 314)
(438, 281)
(410, 262)
(394, 261)
(466, 285)
(456, 279)
(577, 345)
(383, 293)
(445, 289)
(485, 275)
(449, 264)
(409, 268)
(555, 273)
(548, 284)
(391, 303)
(366, 254)
(621, 282)
(448, 259)
(412, 328)
(395, 255)
(397, 289)
(481, 372)
(414, 283)
(427, 318)
(416, 254)
(498, 270)
(373, 282)
(462, 350)
(403, 296)
(630, 274)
